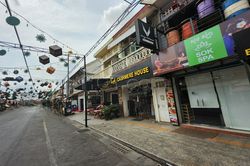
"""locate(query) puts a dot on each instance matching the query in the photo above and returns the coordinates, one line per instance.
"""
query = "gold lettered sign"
(136, 73)
(247, 51)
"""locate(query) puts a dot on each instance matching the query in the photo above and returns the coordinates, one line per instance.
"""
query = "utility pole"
(86, 92)
(68, 80)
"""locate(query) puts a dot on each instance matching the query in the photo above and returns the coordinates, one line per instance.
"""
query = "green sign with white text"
(205, 47)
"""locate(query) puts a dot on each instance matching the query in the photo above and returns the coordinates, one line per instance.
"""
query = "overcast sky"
(77, 23)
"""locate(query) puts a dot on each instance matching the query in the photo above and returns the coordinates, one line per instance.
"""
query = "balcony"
(131, 59)
(106, 73)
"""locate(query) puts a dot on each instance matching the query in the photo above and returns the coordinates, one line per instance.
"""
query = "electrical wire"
(20, 43)
(127, 11)
(39, 29)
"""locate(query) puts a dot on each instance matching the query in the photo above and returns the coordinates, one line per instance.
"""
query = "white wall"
(125, 98)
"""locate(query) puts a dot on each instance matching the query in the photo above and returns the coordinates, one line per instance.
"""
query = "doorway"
(81, 104)
(199, 99)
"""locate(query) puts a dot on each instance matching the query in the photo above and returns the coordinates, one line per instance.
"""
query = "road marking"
(52, 158)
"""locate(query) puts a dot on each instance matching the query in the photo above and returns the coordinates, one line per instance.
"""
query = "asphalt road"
(33, 136)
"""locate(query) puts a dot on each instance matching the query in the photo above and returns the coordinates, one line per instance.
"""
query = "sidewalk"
(181, 146)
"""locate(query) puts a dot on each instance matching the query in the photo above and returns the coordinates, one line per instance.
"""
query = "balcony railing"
(131, 59)
(106, 73)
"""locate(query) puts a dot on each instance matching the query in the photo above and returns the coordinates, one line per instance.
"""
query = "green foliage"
(111, 111)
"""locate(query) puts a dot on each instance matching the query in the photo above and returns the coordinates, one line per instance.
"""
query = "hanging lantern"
(50, 70)
(40, 38)
(19, 79)
(66, 64)
(55, 50)
(12, 20)
(6, 84)
(5, 73)
(44, 59)
(27, 53)
(9, 79)
(50, 85)
(15, 71)
(61, 59)
(2, 52)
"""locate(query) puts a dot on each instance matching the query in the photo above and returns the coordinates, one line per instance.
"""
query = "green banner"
(205, 47)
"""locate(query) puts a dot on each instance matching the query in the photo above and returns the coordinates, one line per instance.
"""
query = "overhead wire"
(126, 12)
(39, 29)
(20, 43)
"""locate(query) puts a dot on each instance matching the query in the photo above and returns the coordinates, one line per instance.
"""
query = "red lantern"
(50, 85)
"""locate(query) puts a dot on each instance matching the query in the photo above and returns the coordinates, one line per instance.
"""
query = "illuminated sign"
(130, 75)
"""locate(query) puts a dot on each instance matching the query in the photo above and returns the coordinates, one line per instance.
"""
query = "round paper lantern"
(5, 73)
(27, 53)
(12, 20)
(2, 52)
(66, 64)
(15, 71)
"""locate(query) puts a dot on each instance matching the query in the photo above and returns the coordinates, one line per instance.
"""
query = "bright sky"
(77, 23)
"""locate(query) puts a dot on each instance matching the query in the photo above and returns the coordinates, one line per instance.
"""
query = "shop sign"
(146, 35)
(133, 74)
(213, 44)
(205, 47)
(142, 70)
(242, 42)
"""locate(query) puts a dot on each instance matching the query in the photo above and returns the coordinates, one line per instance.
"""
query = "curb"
(154, 157)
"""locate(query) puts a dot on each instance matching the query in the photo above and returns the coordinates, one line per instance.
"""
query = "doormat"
(195, 133)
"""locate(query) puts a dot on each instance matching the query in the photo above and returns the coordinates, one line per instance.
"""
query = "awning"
(75, 92)
(93, 84)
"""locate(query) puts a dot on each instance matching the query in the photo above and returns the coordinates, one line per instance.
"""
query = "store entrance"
(139, 103)
(199, 100)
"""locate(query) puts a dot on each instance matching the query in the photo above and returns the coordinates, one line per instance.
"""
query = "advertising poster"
(205, 47)
(171, 59)
(234, 25)
(171, 107)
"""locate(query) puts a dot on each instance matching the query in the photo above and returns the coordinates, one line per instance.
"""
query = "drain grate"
(119, 148)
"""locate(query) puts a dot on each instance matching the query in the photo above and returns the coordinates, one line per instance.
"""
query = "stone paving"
(171, 143)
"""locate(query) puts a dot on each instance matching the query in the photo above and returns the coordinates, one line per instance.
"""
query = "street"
(35, 136)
